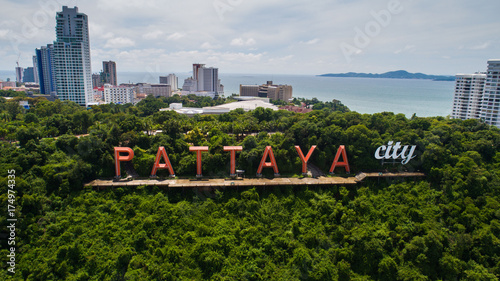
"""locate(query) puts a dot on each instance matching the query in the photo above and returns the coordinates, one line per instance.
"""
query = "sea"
(424, 98)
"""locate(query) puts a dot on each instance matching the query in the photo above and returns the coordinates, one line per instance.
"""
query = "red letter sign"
(119, 158)
(305, 159)
(264, 164)
(336, 162)
(233, 150)
(162, 153)
(199, 150)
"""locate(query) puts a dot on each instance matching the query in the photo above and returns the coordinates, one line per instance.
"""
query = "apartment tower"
(72, 57)
(477, 96)
(109, 72)
(491, 98)
(46, 70)
(468, 96)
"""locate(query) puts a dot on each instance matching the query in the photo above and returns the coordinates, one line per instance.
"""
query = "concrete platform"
(246, 182)
(185, 183)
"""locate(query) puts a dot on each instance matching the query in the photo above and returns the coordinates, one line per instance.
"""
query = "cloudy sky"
(267, 36)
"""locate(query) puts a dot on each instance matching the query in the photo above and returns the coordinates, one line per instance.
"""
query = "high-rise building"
(477, 96)
(205, 82)
(109, 72)
(468, 96)
(96, 80)
(72, 57)
(35, 69)
(29, 75)
(19, 74)
(490, 105)
(196, 67)
(208, 79)
(171, 80)
(46, 70)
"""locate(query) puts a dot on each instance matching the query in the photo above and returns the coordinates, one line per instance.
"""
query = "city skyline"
(280, 37)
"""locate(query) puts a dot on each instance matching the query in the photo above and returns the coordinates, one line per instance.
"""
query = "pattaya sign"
(126, 154)
(384, 152)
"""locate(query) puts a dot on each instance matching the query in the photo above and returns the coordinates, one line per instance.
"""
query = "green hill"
(444, 227)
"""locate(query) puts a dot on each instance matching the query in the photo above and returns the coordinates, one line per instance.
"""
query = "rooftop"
(246, 105)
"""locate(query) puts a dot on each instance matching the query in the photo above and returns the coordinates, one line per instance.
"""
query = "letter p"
(122, 158)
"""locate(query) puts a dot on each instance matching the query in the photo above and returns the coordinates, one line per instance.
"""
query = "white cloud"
(3, 33)
(406, 49)
(482, 46)
(311, 42)
(240, 42)
(175, 36)
(152, 35)
(98, 31)
(297, 35)
(209, 46)
(119, 42)
(281, 59)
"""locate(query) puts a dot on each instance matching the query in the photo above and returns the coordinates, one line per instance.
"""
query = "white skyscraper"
(477, 96)
(490, 106)
(205, 82)
(208, 79)
(468, 96)
(72, 57)
(35, 69)
(19, 74)
(171, 80)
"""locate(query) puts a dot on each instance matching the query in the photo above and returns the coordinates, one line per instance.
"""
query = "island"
(400, 74)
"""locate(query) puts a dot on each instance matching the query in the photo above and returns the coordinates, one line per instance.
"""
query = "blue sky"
(272, 36)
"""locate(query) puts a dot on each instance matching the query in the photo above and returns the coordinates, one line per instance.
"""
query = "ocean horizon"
(425, 98)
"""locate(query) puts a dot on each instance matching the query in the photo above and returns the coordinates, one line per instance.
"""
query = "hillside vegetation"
(445, 227)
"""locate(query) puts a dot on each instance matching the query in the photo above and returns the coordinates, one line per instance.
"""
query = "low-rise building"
(156, 90)
(249, 90)
(118, 94)
(246, 105)
(7, 84)
(268, 90)
(99, 94)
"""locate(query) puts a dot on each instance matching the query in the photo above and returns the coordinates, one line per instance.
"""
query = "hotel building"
(118, 95)
(205, 82)
(46, 70)
(490, 105)
(477, 96)
(72, 57)
(109, 72)
(468, 96)
(268, 90)
(171, 80)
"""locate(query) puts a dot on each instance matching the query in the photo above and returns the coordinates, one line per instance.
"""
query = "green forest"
(445, 226)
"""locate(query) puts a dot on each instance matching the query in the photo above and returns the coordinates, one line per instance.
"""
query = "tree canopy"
(443, 227)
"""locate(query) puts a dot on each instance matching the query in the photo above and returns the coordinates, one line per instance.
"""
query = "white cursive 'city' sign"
(393, 152)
